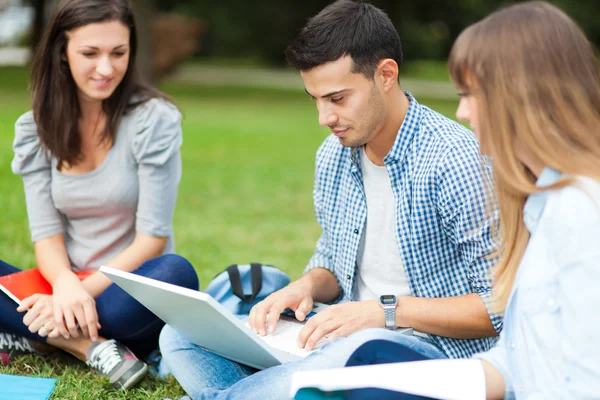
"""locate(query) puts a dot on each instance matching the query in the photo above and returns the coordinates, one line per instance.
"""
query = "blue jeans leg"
(198, 371)
(190, 365)
(122, 317)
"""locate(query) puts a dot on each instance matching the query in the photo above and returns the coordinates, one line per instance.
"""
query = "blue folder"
(25, 387)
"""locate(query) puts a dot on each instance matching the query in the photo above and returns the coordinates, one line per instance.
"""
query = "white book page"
(9, 294)
(441, 379)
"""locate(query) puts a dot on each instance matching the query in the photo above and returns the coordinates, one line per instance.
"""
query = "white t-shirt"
(380, 267)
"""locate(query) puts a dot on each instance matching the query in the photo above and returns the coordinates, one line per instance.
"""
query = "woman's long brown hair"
(536, 82)
(55, 104)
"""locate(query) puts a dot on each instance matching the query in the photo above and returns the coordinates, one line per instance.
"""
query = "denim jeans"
(204, 375)
(382, 352)
(122, 317)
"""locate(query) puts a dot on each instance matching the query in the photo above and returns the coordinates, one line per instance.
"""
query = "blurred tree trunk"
(144, 11)
(39, 20)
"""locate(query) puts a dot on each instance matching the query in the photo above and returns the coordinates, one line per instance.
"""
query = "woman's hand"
(40, 315)
(74, 308)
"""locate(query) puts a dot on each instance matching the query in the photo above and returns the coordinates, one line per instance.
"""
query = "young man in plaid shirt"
(400, 195)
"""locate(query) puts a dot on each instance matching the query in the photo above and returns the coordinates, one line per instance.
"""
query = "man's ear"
(387, 73)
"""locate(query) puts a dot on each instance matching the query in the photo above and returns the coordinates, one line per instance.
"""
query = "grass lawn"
(245, 195)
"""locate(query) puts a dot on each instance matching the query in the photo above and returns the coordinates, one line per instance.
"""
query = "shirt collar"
(536, 202)
(410, 125)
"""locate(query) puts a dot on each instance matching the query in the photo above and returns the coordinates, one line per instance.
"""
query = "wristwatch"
(388, 302)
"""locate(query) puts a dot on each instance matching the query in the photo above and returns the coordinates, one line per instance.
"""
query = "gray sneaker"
(116, 361)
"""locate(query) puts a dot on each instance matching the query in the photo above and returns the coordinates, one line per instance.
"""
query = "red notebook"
(21, 285)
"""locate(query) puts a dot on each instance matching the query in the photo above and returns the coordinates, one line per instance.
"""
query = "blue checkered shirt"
(442, 228)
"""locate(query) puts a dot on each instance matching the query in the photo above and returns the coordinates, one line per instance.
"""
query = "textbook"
(23, 284)
(438, 379)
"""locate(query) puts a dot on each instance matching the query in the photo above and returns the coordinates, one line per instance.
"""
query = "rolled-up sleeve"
(33, 164)
(464, 187)
(156, 148)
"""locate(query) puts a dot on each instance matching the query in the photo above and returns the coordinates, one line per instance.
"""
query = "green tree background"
(262, 29)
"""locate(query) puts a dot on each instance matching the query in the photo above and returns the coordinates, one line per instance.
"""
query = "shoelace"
(6, 340)
(105, 357)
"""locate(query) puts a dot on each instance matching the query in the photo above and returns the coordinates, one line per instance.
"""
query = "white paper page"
(441, 379)
(9, 294)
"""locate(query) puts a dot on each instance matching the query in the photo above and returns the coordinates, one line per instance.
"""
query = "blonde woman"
(530, 89)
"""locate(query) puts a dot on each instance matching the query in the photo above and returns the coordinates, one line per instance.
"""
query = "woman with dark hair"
(100, 161)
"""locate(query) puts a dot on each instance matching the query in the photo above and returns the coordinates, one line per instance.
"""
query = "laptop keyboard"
(286, 335)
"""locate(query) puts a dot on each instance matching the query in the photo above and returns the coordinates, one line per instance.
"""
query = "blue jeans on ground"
(122, 317)
(204, 375)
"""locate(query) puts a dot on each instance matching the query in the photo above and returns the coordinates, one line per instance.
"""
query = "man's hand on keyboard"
(296, 296)
(341, 320)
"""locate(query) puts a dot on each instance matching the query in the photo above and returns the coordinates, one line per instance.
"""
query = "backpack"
(240, 287)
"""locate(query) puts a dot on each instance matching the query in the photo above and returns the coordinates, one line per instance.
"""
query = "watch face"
(387, 299)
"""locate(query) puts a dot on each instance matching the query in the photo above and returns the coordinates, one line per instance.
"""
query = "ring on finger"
(43, 331)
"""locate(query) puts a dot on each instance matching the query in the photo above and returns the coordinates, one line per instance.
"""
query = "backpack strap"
(236, 281)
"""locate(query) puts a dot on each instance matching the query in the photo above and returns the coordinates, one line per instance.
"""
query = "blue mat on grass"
(25, 387)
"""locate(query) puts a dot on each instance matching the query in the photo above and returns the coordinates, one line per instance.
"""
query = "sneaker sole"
(133, 380)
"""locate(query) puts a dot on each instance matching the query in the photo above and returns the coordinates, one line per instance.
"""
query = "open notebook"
(438, 379)
(23, 284)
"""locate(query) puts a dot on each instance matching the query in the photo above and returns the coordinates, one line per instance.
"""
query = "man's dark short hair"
(360, 30)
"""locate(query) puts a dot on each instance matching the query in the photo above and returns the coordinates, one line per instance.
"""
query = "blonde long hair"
(536, 80)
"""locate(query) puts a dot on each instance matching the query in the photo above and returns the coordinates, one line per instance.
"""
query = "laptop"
(205, 322)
